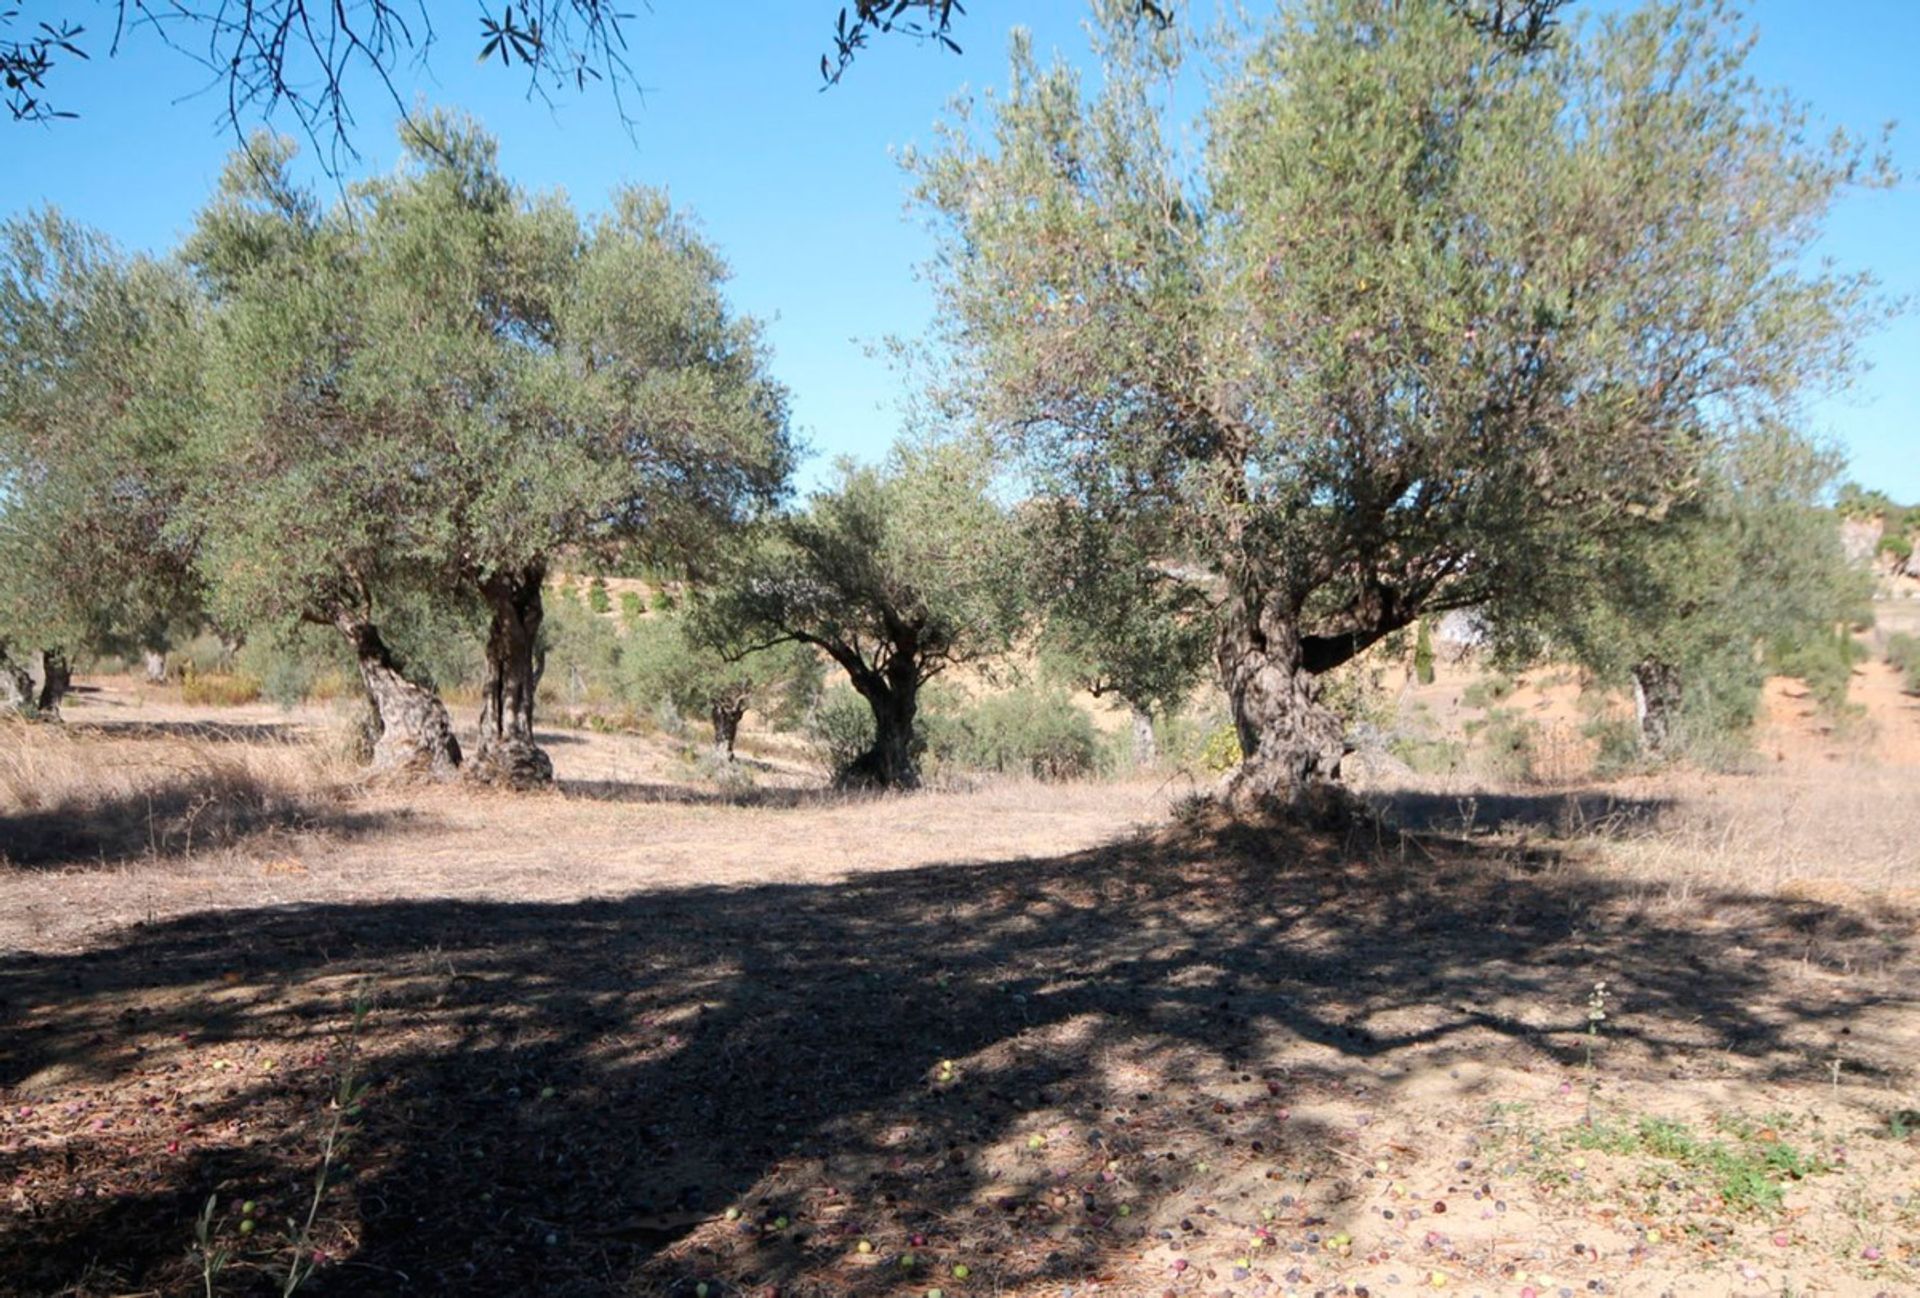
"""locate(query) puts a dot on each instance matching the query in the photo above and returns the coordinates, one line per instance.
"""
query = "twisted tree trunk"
(1146, 750)
(507, 753)
(155, 661)
(893, 696)
(1656, 699)
(726, 712)
(414, 733)
(52, 680)
(1291, 745)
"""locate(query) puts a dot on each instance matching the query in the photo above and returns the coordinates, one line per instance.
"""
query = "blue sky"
(800, 190)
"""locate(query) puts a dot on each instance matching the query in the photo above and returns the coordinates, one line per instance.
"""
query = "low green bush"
(1903, 652)
(840, 728)
(1032, 731)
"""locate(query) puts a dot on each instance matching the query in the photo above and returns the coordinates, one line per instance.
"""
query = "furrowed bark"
(1656, 699)
(507, 753)
(726, 713)
(893, 761)
(415, 734)
(1291, 744)
(1146, 751)
(52, 679)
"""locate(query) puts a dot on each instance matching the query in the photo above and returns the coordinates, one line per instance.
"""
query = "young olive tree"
(443, 382)
(665, 659)
(1438, 297)
(99, 384)
(1743, 575)
(897, 574)
(1121, 619)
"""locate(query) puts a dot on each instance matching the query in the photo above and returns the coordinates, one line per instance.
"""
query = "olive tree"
(1120, 618)
(99, 383)
(898, 574)
(433, 387)
(1744, 576)
(664, 658)
(1431, 299)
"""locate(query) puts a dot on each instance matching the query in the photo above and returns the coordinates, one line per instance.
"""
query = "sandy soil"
(635, 1036)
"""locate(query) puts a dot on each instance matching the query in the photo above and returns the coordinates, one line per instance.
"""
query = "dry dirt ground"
(636, 1037)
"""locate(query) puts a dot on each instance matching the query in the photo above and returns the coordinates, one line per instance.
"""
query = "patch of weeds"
(1508, 745)
(1902, 1124)
(1430, 756)
(1487, 691)
(1748, 1172)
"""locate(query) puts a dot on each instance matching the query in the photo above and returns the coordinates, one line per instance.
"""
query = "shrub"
(1033, 731)
(1824, 662)
(1488, 691)
(632, 607)
(840, 729)
(1221, 751)
(219, 689)
(1617, 744)
(597, 598)
(1429, 756)
(1903, 652)
(1509, 744)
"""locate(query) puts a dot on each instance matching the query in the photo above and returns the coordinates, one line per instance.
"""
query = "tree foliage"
(1744, 578)
(430, 389)
(1427, 312)
(897, 574)
(99, 388)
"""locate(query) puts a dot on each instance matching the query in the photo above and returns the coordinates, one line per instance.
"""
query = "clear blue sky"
(800, 190)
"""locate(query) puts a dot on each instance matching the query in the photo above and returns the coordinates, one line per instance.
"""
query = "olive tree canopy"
(436, 386)
(1431, 299)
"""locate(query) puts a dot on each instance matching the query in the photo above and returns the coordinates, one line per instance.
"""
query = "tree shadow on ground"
(563, 1097)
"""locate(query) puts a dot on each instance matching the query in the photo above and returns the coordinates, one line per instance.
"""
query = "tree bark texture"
(414, 733)
(893, 762)
(507, 753)
(1291, 744)
(1146, 750)
(1656, 700)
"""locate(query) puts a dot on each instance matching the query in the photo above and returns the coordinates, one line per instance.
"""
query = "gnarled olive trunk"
(415, 734)
(507, 753)
(726, 712)
(155, 661)
(52, 678)
(1146, 751)
(1656, 700)
(893, 761)
(17, 693)
(1291, 744)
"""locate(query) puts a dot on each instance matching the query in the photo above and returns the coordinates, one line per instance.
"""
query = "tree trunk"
(893, 762)
(726, 714)
(414, 734)
(508, 754)
(51, 682)
(1656, 698)
(17, 693)
(1291, 745)
(1146, 751)
(156, 665)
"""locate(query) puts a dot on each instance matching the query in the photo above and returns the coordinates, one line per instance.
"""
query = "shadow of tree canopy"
(564, 1097)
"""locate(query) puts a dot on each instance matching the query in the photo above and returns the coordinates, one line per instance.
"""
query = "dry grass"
(1028, 1029)
(81, 795)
